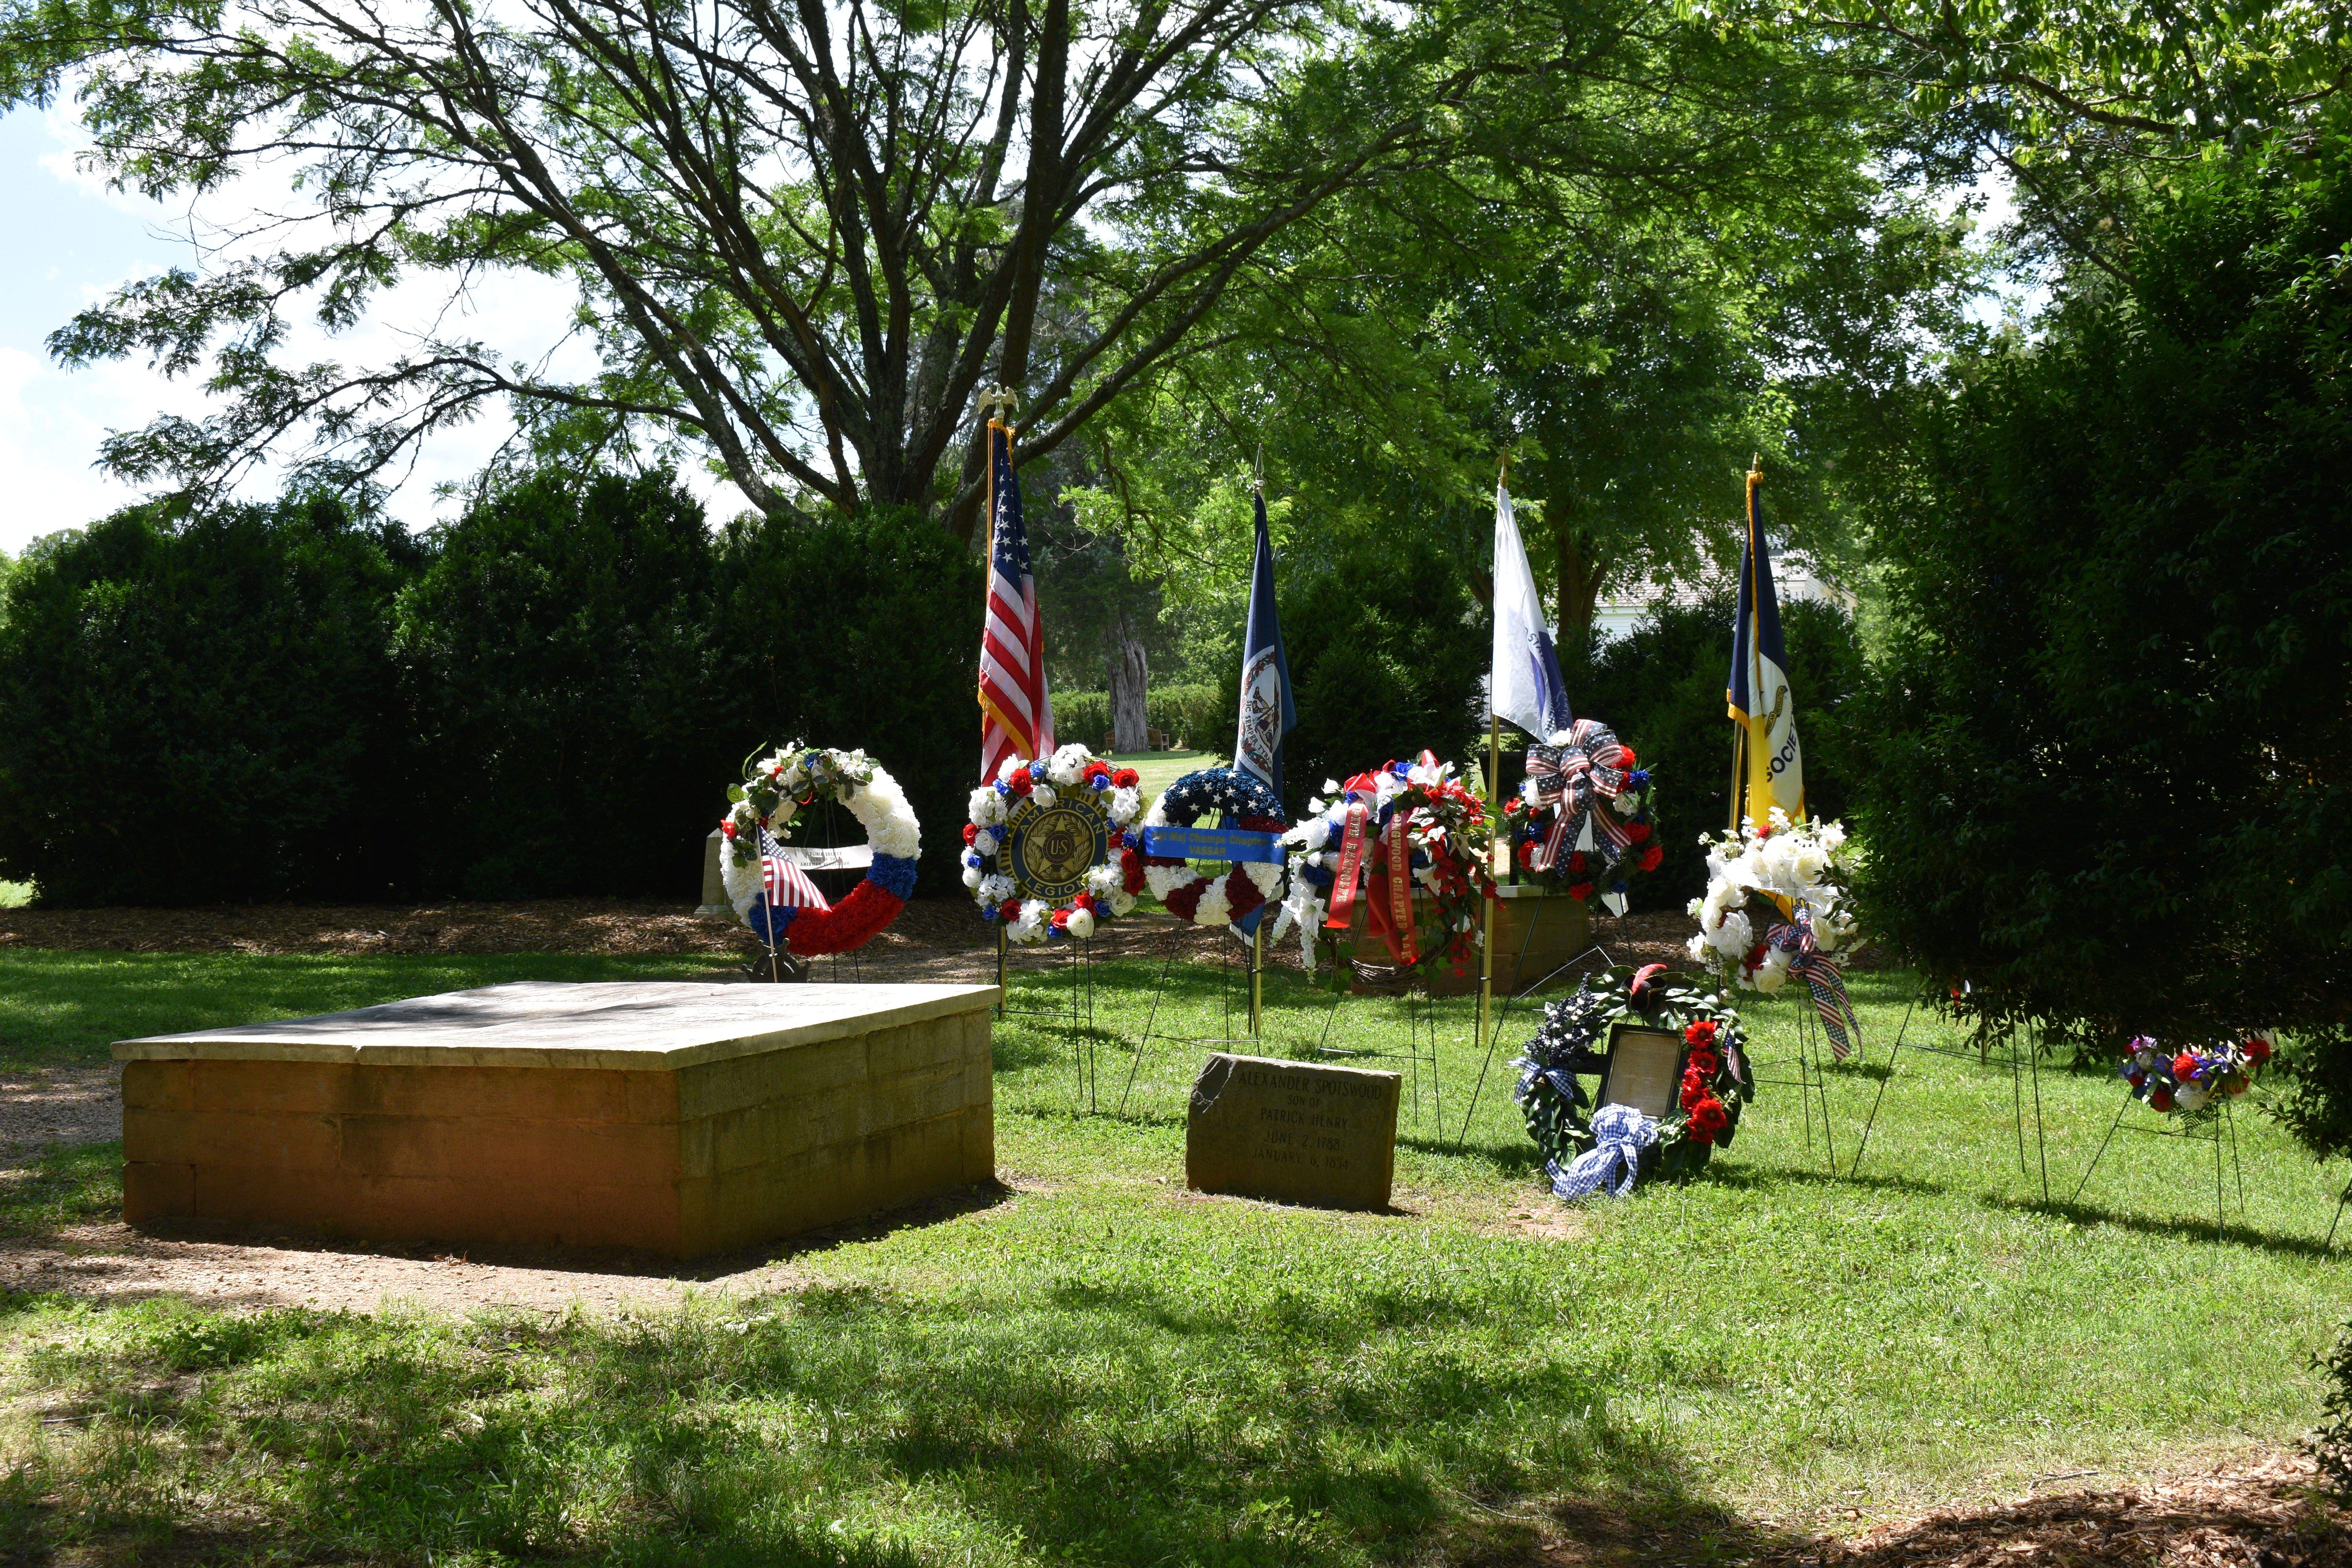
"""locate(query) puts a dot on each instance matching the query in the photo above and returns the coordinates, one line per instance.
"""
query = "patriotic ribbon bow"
(1577, 779)
(1821, 977)
(1621, 1132)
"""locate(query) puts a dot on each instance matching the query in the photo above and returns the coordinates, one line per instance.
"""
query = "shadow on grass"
(1110, 1421)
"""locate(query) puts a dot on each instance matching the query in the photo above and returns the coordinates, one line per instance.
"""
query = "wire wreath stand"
(1075, 960)
(1253, 974)
(2024, 1067)
(778, 965)
(2224, 1124)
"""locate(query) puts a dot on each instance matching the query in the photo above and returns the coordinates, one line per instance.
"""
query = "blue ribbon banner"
(1214, 844)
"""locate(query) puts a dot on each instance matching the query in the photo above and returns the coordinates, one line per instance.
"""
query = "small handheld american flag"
(788, 887)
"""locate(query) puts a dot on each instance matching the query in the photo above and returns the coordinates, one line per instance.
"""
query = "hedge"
(1192, 713)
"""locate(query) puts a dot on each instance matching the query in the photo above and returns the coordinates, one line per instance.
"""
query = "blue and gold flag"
(1773, 765)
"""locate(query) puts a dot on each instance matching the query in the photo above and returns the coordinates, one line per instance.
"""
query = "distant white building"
(1796, 579)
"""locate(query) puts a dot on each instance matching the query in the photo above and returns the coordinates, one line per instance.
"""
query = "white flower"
(1065, 765)
(1104, 881)
(1833, 837)
(1082, 924)
(1731, 936)
(1042, 797)
(972, 875)
(1697, 948)
(1125, 802)
(1317, 833)
(1694, 907)
(1810, 862)
(2191, 1097)
(986, 807)
(1009, 766)
(985, 841)
(1559, 738)
(997, 889)
(1123, 902)
(1330, 787)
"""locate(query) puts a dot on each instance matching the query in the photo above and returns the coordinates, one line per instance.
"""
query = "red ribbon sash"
(1392, 918)
(1351, 867)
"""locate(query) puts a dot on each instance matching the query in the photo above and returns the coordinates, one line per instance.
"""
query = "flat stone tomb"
(679, 1118)
(1295, 1131)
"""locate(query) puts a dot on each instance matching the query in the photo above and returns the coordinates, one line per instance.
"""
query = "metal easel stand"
(2023, 1066)
(1420, 1009)
(1522, 993)
(1811, 1084)
(2224, 1125)
(1077, 961)
(1253, 971)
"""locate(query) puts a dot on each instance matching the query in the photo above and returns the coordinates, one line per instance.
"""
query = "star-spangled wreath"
(1247, 802)
(774, 791)
(1573, 1038)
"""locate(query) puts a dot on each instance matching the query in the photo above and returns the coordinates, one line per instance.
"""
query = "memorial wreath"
(1582, 814)
(1412, 829)
(1247, 802)
(771, 894)
(2185, 1082)
(1776, 906)
(1047, 850)
(1616, 1148)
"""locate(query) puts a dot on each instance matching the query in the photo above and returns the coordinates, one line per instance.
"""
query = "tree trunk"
(1128, 726)
(1580, 577)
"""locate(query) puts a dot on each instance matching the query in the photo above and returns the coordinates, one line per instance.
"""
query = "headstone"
(1296, 1133)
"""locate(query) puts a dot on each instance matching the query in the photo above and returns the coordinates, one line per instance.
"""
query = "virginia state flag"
(1269, 713)
(1525, 687)
(1774, 771)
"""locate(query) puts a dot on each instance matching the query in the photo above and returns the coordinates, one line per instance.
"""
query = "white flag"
(1527, 689)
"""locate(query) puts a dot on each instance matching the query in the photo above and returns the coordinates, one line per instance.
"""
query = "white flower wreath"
(1023, 786)
(775, 788)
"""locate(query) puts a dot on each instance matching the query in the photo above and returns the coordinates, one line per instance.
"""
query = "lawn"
(1100, 1367)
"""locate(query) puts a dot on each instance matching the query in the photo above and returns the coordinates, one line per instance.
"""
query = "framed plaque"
(1048, 850)
(1644, 1070)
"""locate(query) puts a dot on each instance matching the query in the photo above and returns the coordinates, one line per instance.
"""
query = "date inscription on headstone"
(1296, 1133)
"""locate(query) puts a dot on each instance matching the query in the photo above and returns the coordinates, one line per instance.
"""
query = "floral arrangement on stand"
(1618, 1148)
(1248, 803)
(1026, 789)
(773, 792)
(2195, 1080)
(1409, 827)
(1776, 906)
(1582, 814)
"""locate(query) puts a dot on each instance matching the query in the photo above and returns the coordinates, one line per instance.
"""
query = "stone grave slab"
(676, 1117)
(1297, 1132)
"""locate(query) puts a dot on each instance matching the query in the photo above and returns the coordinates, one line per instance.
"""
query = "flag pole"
(1494, 817)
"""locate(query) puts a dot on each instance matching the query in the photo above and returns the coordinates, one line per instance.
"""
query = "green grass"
(15, 895)
(1099, 1367)
(1160, 769)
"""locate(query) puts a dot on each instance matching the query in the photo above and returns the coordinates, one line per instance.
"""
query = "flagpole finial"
(999, 397)
(1257, 468)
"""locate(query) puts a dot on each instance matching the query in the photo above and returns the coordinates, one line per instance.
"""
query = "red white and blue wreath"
(1617, 1148)
(1025, 791)
(1247, 802)
(773, 896)
(1582, 815)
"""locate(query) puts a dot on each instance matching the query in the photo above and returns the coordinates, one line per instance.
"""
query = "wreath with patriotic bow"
(1617, 1149)
(1581, 818)
(1025, 789)
(1404, 829)
(773, 896)
(1247, 802)
(1777, 909)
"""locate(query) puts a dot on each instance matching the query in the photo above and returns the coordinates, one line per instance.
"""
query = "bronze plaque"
(1048, 852)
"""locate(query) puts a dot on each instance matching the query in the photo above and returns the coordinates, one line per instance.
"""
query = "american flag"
(788, 886)
(1016, 720)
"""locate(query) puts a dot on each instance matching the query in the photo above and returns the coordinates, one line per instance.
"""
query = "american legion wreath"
(770, 893)
(1047, 849)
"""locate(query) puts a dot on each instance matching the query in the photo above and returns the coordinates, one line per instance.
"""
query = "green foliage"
(862, 632)
(2111, 757)
(1193, 713)
(1661, 689)
(1385, 659)
(573, 726)
(200, 708)
(2331, 1444)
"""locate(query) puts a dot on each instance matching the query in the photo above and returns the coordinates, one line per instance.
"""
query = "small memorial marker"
(1294, 1131)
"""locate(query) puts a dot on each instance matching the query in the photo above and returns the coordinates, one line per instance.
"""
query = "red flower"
(1708, 1121)
(2257, 1050)
(1127, 778)
(1577, 863)
(1705, 1063)
(971, 832)
(1010, 909)
(2160, 1097)
(1694, 1090)
(1581, 892)
(2184, 1066)
(1755, 959)
(1650, 858)
(1061, 919)
(727, 828)
(1130, 866)
(1021, 783)
(1700, 1032)
(1631, 762)
(2135, 1077)
(1097, 770)
(1636, 832)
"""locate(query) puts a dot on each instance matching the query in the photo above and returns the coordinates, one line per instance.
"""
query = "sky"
(72, 241)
